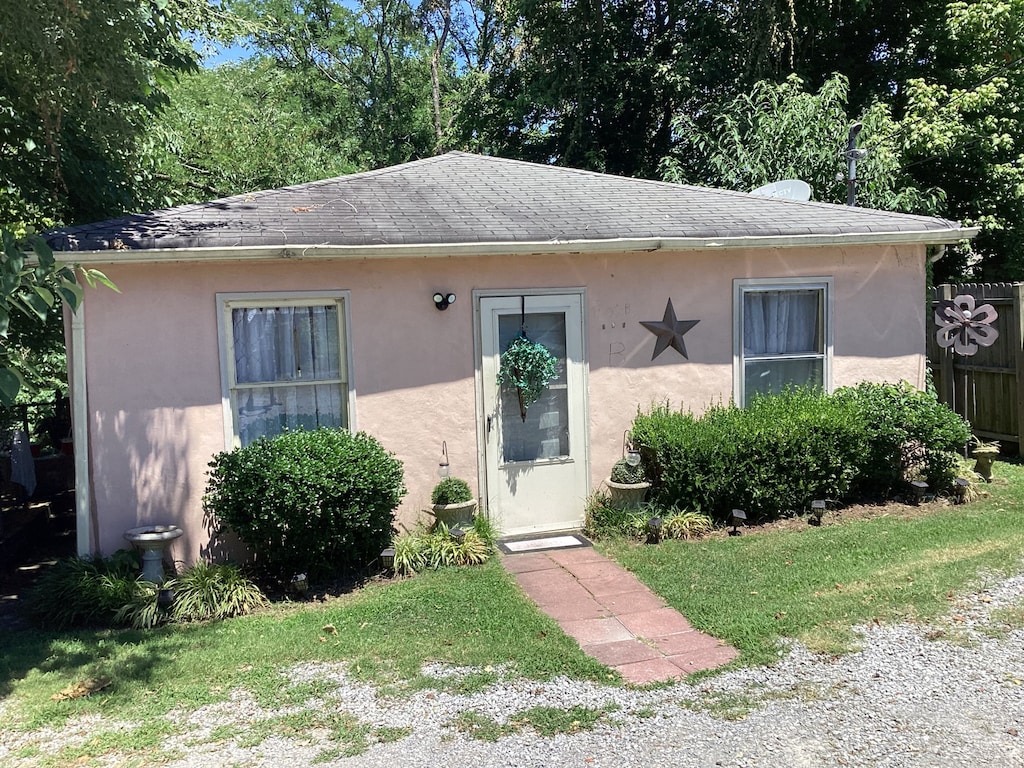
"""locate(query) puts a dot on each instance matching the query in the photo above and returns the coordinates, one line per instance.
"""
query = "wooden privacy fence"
(984, 388)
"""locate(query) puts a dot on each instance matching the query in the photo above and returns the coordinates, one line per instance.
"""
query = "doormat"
(562, 541)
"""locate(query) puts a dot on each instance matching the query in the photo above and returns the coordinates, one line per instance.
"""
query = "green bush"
(314, 502)
(782, 451)
(906, 429)
(451, 490)
(777, 454)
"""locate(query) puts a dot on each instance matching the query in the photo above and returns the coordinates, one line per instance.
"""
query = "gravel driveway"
(946, 694)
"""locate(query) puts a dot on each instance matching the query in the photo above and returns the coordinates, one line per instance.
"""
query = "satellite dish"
(788, 189)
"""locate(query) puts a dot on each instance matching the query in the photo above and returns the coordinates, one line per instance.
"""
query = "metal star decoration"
(669, 331)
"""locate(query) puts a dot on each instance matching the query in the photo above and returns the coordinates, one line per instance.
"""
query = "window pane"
(545, 433)
(286, 344)
(782, 322)
(268, 411)
(764, 377)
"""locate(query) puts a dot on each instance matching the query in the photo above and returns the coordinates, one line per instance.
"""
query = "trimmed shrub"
(777, 454)
(451, 490)
(316, 502)
(627, 475)
(906, 430)
(782, 451)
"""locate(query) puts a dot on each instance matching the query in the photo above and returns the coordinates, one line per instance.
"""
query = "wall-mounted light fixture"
(443, 300)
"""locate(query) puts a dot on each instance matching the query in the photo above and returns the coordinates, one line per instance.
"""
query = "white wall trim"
(535, 247)
(80, 434)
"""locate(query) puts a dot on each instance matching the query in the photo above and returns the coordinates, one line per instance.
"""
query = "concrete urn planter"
(984, 457)
(453, 515)
(626, 495)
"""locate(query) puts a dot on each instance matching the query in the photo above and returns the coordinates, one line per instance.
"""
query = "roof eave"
(523, 248)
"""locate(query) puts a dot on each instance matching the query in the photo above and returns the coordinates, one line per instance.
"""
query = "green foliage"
(604, 520)
(529, 367)
(777, 454)
(623, 473)
(451, 490)
(110, 592)
(82, 591)
(906, 430)
(780, 131)
(34, 288)
(214, 591)
(783, 451)
(238, 128)
(315, 502)
(422, 550)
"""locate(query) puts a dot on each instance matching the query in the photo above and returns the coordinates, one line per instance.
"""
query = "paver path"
(614, 617)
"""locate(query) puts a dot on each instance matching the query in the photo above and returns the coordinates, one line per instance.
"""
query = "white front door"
(536, 473)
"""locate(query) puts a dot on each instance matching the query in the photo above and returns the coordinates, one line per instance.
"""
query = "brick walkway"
(614, 617)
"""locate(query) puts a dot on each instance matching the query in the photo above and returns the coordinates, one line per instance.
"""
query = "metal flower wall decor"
(964, 326)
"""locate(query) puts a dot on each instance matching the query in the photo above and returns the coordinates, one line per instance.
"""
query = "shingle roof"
(460, 198)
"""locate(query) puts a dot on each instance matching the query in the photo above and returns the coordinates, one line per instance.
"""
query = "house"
(381, 301)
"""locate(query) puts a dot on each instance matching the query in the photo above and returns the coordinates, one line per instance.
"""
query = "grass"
(385, 634)
(546, 721)
(754, 590)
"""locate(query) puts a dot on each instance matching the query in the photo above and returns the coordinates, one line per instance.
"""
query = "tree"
(239, 128)
(781, 131)
(33, 288)
(77, 82)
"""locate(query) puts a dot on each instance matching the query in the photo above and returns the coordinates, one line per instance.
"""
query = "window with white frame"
(285, 360)
(783, 335)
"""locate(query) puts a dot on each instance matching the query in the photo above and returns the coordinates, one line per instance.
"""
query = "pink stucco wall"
(153, 361)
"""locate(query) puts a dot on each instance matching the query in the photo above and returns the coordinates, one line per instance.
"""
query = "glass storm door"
(536, 468)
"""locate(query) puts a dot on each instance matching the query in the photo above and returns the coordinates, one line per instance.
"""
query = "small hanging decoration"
(529, 367)
(963, 326)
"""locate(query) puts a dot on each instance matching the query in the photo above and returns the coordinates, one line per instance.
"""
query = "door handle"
(490, 422)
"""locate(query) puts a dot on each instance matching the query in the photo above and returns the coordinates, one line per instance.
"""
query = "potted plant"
(453, 502)
(627, 484)
(984, 454)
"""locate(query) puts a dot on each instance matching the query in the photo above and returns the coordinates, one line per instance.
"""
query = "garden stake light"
(629, 452)
(960, 487)
(457, 534)
(920, 488)
(654, 526)
(817, 511)
(387, 559)
(737, 516)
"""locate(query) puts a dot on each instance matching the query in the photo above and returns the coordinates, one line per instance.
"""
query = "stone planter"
(984, 457)
(626, 495)
(452, 515)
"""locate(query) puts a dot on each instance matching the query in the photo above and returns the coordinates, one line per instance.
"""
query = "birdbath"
(153, 540)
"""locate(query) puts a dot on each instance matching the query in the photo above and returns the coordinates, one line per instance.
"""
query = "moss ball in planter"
(624, 474)
(451, 490)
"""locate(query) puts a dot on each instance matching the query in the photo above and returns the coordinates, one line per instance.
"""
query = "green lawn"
(814, 583)
(751, 590)
(462, 616)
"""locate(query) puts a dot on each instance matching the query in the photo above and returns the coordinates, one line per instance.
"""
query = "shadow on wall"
(141, 476)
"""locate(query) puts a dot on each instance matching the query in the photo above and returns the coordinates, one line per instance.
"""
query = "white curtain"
(781, 323)
(290, 348)
(782, 341)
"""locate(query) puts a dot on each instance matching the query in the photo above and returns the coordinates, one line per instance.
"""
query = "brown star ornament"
(669, 331)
